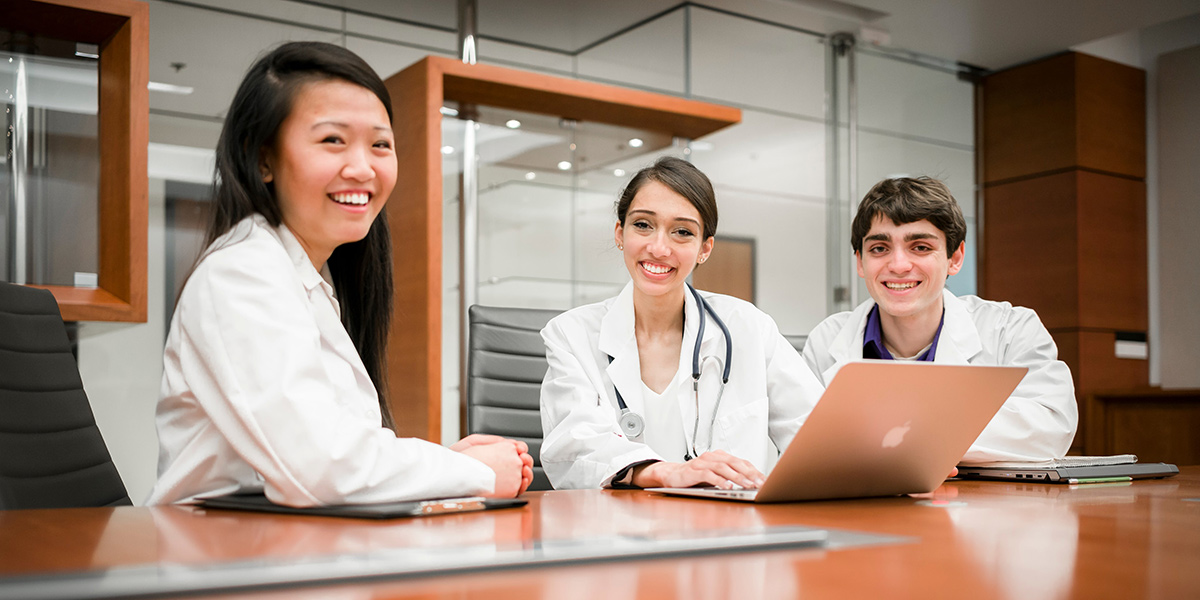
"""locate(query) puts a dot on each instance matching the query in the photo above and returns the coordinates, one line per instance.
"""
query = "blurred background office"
(834, 96)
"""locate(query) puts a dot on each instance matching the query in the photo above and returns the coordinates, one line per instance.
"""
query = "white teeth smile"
(656, 269)
(353, 198)
(900, 286)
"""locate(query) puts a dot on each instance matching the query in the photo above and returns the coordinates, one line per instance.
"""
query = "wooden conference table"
(967, 539)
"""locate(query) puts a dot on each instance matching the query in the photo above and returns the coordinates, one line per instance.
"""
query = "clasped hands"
(509, 459)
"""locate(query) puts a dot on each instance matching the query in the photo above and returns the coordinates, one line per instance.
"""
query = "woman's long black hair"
(362, 270)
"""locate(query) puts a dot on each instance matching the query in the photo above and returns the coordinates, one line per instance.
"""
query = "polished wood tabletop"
(966, 539)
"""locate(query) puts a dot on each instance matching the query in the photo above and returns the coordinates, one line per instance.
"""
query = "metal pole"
(468, 219)
(20, 171)
(852, 158)
(834, 249)
(842, 192)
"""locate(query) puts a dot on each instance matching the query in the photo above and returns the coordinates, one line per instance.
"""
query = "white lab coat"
(1038, 420)
(769, 394)
(263, 390)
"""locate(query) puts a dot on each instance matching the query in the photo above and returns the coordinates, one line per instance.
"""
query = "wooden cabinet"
(1064, 167)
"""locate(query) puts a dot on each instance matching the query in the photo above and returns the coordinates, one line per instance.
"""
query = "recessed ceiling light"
(635, 142)
(619, 172)
(564, 165)
(530, 176)
(512, 124)
(447, 150)
(181, 90)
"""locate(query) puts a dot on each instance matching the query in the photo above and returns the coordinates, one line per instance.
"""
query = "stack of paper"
(1056, 463)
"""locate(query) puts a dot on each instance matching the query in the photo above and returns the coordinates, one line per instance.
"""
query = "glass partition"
(49, 232)
(895, 115)
(546, 193)
(918, 119)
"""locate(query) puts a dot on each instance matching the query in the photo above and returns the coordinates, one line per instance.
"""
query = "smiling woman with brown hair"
(663, 385)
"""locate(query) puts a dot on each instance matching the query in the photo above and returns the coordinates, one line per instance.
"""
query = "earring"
(620, 246)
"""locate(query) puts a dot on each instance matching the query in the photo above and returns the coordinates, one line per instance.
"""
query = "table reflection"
(1025, 536)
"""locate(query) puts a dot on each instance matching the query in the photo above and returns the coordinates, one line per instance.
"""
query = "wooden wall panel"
(1066, 111)
(414, 213)
(1156, 425)
(729, 270)
(1065, 208)
(1112, 252)
(1091, 356)
(1029, 120)
(1110, 116)
(1032, 245)
(1094, 364)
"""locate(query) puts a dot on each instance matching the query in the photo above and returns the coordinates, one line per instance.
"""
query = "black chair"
(507, 363)
(51, 452)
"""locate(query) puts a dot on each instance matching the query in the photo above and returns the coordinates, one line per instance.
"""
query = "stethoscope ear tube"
(703, 306)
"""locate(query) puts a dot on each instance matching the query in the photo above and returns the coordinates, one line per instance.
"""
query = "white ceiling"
(999, 33)
(218, 45)
(988, 33)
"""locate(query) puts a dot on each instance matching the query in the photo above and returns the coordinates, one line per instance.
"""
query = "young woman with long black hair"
(274, 370)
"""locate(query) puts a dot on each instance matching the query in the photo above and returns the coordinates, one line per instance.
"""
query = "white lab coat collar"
(310, 278)
(958, 344)
(960, 338)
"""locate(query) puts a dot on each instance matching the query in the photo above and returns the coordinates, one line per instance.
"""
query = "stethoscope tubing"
(633, 424)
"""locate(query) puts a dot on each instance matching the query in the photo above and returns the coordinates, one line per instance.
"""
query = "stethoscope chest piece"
(631, 423)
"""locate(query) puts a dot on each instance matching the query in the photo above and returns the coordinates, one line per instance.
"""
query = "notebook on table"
(882, 428)
(386, 510)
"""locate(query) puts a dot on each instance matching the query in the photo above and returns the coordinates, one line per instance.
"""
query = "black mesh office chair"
(507, 364)
(51, 452)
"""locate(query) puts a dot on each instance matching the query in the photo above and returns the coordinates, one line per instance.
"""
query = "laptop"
(1073, 475)
(882, 428)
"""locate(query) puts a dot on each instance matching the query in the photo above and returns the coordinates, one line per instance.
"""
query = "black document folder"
(387, 510)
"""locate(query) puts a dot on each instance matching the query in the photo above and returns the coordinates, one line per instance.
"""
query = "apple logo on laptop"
(896, 435)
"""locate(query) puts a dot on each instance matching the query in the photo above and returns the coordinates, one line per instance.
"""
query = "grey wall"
(1179, 213)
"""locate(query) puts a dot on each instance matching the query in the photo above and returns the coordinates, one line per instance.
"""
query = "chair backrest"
(797, 341)
(51, 452)
(507, 364)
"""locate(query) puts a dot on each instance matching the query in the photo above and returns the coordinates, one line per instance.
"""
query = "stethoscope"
(633, 424)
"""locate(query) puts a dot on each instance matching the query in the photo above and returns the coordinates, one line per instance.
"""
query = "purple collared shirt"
(873, 339)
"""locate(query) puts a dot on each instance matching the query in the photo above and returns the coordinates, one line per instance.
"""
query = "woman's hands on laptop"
(717, 468)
